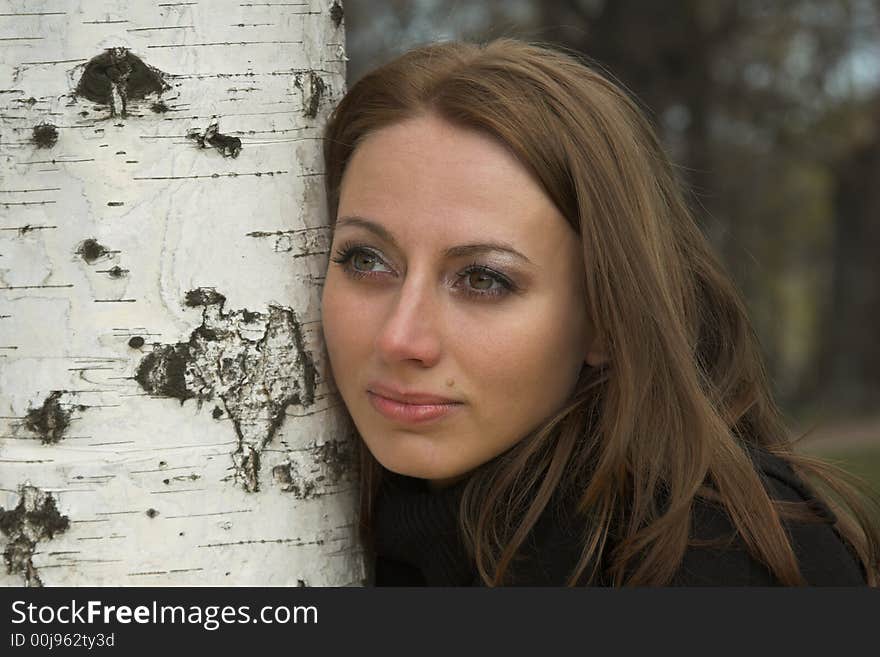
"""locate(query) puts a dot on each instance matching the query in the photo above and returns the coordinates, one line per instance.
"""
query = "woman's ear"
(595, 354)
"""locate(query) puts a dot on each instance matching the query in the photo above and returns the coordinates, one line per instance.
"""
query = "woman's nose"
(410, 331)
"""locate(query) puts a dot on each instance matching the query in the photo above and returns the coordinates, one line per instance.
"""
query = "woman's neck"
(440, 484)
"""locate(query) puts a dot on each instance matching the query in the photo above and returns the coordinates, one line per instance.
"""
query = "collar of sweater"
(417, 525)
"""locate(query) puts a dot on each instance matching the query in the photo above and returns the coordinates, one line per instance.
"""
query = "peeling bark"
(256, 379)
(50, 420)
(317, 470)
(312, 86)
(116, 77)
(33, 520)
(228, 146)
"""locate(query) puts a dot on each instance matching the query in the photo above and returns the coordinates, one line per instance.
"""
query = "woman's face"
(453, 307)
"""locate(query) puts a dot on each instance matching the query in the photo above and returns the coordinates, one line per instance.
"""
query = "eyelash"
(347, 251)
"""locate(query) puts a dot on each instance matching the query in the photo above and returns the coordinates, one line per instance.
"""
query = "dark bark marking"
(304, 242)
(159, 107)
(50, 420)
(203, 296)
(338, 458)
(33, 287)
(152, 513)
(45, 135)
(170, 27)
(217, 413)
(91, 250)
(35, 189)
(35, 13)
(221, 43)
(136, 342)
(116, 77)
(324, 467)
(24, 230)
(282, 475)
(34, 519)
(248, 468)
(336, 13)
(228, 146)
(6, 205)
(211, 335)
(291, 482)
(312, 85)
(162, 372)
(255, 379)
(115, 204)
(233, 174)
(71, 161)
(117, 272)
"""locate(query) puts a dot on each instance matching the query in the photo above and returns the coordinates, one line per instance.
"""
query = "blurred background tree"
(771, 112)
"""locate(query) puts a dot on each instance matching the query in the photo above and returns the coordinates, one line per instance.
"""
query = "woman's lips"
(409, 412)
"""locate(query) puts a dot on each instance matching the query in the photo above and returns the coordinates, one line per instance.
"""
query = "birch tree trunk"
(163, 240)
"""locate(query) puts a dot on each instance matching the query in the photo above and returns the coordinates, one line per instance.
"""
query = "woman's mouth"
(408, 411)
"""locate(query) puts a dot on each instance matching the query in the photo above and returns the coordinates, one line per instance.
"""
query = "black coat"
(417, 541)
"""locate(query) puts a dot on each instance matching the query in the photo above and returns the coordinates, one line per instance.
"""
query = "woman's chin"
(418, 468)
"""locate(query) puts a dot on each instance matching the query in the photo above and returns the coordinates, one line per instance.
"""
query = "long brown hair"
(684, 392)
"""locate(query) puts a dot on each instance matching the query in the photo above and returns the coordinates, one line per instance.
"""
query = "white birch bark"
(163, 239)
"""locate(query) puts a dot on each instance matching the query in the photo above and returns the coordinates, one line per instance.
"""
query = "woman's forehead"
(426, 150)
(425, 174)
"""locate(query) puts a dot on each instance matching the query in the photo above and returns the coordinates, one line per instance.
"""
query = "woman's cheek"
(500, 359)
(531, 358)
(342, 328)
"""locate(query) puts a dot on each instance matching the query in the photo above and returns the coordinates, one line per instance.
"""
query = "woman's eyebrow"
(478, 249)
(452, 252)
(371, 226)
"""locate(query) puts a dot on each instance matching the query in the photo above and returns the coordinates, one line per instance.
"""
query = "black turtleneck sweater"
(417, 541)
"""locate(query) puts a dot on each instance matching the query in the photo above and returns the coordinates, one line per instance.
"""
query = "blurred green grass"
(851, 443)
(863, 461)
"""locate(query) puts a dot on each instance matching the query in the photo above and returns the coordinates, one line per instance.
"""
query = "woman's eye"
(360, 261)
(478, 281)
(364, 261)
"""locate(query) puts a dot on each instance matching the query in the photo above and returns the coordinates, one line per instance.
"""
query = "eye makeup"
(360, 261)
(350, 253)
(499, 283)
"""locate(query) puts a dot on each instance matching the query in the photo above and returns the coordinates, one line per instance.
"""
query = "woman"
(551, 378)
